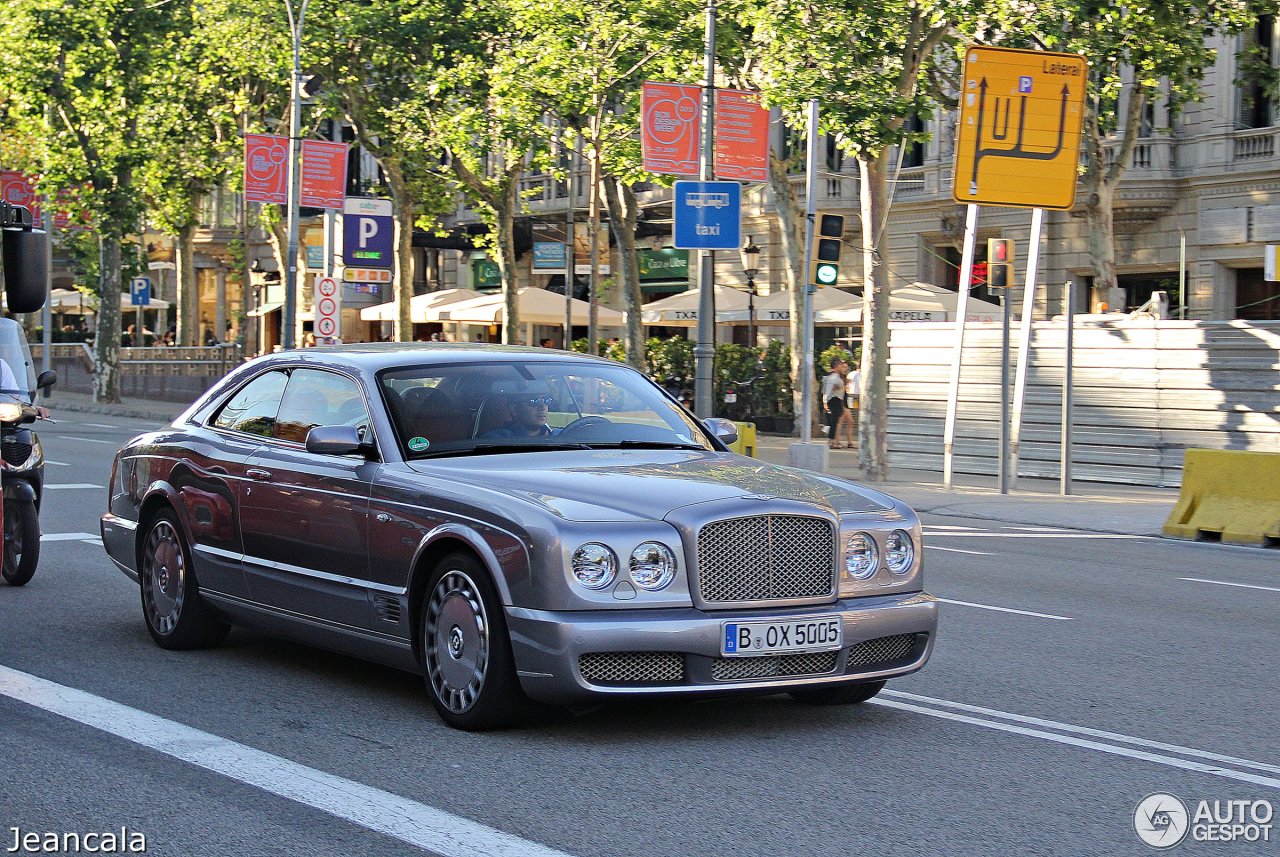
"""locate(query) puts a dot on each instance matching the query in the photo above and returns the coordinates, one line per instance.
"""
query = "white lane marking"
(101, 425)
(939, 527)
(87, 439)
(415, 823)
(1084, 730)
(1005, 609)
(57, 463)
(71, 485)
(956, 550)
(1186, 765)
(66, 537)
(1225, 583)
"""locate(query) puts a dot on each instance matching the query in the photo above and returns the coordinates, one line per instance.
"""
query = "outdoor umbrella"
(681, 310)
(535, 306)
(775, 309)
(420, 306)
(916, 302)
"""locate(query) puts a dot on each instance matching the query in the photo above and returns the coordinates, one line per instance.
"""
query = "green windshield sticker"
(418, 444)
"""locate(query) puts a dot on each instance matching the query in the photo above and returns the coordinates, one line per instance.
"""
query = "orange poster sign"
(266, 171)
(670, 128)
(742, 136)
(324, 174)
(18, 189)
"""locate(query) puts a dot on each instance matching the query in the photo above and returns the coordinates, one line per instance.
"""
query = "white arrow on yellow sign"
(1021, 114)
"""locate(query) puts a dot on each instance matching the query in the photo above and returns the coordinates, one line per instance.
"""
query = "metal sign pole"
(1002, 472)
(704, 353)
(962, 308)
(1069, 320)
(811, 206)
(1024, 339)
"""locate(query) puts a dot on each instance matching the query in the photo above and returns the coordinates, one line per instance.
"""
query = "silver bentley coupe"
(523, 527)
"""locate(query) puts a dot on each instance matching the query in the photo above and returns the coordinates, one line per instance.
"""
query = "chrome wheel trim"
(164, 578)
(455, 641)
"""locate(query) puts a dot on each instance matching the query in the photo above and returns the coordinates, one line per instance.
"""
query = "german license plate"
(819, 634)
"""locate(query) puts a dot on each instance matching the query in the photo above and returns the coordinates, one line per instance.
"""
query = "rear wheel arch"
(155, 503)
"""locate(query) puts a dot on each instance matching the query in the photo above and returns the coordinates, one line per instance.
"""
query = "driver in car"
(528, 417)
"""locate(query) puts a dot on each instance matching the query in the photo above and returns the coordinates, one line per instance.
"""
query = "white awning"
(264, 309)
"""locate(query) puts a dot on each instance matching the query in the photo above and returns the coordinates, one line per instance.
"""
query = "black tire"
(845, 694)
(176, 616)
(21, 542)
(466, 649)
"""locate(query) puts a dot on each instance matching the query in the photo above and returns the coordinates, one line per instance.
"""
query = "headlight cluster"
(862, 557)
(652, 566)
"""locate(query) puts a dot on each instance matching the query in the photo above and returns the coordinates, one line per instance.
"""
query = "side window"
(253, 409)
(315, 398)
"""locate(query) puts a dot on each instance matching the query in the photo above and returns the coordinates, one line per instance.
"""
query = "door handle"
(383, 517)
(256, 473)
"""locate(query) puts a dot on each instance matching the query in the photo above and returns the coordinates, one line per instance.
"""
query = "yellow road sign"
(1020, 119)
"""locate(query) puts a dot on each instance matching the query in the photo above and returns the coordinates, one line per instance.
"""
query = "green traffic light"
(826, 274)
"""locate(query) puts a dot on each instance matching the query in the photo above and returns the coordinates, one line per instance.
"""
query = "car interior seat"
(429, 412)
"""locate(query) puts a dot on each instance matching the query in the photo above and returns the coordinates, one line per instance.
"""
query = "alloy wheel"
(164, 577)
(456, 641)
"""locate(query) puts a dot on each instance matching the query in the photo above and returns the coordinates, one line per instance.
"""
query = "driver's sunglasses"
(536, 401)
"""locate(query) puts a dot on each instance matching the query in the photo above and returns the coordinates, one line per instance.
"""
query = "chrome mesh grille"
(773, 666)
(632, 667)
(882, 650)
(766, 558)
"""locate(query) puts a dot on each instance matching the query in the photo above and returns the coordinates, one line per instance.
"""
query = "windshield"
(480, 408)
(17, 374)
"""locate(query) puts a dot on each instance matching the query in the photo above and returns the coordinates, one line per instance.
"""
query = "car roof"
(375, 356)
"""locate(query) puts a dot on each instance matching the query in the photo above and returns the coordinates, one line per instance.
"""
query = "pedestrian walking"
(846, 428)
(833, 397)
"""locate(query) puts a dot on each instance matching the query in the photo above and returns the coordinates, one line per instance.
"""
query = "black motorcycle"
(22, 477)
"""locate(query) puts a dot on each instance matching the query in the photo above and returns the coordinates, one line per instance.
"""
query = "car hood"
(630, 485)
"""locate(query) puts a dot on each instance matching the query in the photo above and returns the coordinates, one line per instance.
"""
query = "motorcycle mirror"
(46, 379)
(26, 271)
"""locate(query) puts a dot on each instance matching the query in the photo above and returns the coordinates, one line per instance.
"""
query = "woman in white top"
(844, 429)
(833, 398)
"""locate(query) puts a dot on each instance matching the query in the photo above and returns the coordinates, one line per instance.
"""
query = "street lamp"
(295, 144)
(751, 267)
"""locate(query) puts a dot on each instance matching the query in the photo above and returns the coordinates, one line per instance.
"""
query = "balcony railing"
(1253, 145)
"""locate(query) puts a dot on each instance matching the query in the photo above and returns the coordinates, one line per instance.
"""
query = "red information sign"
(324, 174)
(742, 136)
(670, 129)
(18, 189)
(266, 168)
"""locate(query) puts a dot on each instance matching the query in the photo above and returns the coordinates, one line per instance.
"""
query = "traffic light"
(828, 238)
(999, 263)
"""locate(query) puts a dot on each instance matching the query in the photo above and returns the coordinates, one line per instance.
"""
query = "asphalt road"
(1075, 673)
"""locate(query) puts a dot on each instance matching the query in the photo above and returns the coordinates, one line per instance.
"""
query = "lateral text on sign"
(708, 215)
(549, 256)
(327, 302)
(324, 174)
(742, 136)
(1020, 121)
(670, 128)
(266, 171)
(367, 233)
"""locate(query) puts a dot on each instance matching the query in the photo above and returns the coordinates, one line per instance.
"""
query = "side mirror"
(46, 379)
(26, 269)
(335, 440)
(723, 429)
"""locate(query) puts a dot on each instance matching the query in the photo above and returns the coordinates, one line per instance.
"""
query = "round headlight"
(652, 566)
(899, 552)
(594, 565)
(860, 556)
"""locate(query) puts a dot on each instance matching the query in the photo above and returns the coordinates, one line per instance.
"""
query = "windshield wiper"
(647, 444)
(501, 448)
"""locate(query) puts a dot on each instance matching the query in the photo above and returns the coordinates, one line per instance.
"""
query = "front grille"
(773, 666)
(632, 667)
(766, 558)
(15, 453)
(880, 651)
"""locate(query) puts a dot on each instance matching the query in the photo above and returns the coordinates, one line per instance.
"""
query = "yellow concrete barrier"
(746, 442)
(1230, 495)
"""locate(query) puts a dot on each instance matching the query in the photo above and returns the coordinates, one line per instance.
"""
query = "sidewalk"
(1121, 509)
(1098, 507)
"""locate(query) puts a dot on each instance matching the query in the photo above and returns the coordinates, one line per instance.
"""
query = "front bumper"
(884, 636)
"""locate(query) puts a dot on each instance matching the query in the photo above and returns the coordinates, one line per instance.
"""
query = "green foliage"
(774, 394)
(830, 355)
(670, 362)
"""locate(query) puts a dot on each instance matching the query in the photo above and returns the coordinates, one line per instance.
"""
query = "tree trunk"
(791, 218)
(506, 220)
(1099, 210)
(872, 445)
(106, 346)
(188, 294)
(402, 209)
(620, 202)
(1101, 179)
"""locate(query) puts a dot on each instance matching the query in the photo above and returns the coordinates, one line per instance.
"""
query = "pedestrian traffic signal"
(999, 263)
(824, 252)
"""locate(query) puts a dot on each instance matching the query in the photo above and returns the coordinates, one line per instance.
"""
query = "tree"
(872, 66)
(94, 66)
(1138, 52)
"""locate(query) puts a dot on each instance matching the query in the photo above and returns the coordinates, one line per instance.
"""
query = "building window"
(1258, 76)
(1256, 299)
(913, 151)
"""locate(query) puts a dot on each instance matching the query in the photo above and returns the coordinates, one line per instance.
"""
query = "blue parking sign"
(708, 215)
(140, 291)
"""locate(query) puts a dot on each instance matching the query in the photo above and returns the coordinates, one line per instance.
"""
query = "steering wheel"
(585, 422)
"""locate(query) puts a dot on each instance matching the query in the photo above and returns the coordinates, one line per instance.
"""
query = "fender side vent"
(388, 607)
